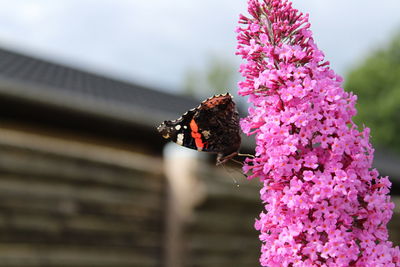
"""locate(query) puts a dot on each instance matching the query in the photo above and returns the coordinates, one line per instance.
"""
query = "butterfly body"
(211, 127)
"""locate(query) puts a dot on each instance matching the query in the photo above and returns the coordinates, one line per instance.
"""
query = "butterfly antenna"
(239, 162)
(233, 178)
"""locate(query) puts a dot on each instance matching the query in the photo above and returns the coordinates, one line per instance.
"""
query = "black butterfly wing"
(178, 130)
(212, 127)
(218, 123)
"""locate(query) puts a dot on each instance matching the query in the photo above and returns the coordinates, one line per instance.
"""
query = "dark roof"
(34, 79)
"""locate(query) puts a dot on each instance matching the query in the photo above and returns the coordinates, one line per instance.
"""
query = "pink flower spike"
(324, 205)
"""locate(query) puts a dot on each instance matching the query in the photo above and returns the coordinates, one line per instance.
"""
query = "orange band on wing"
(196, 135)
(193, 126)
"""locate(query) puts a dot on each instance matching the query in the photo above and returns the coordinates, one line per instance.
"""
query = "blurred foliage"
(377, 83)
(217, 78)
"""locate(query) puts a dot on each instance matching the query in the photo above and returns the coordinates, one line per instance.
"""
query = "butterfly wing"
(178, 130)
(218, 123)
(212, 127)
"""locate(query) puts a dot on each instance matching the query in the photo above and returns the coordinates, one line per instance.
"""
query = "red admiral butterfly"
(212, 127)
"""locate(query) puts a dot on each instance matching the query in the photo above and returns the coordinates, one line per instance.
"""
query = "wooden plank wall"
(69, 204)
(221, 232)
(78, 205)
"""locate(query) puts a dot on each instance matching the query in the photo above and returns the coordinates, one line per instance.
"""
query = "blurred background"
(85, 180)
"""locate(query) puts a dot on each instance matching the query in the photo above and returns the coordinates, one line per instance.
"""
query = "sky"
(155, 42)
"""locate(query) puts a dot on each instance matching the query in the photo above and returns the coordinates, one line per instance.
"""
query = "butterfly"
(211, 127)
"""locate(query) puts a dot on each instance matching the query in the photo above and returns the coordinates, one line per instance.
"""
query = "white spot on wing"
(179, 139)
(178, 127)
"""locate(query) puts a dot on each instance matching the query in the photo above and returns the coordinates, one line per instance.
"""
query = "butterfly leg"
(222, 159)
(246, 155)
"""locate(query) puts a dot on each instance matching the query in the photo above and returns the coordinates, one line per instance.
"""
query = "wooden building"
(83, 181)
